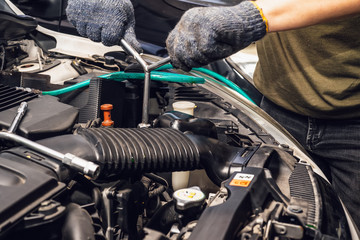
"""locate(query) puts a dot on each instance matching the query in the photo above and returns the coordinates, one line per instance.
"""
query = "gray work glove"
(106, 21)
(206, 34)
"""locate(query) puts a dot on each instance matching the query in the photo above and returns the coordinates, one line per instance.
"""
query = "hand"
(206, 34)
(106, 21)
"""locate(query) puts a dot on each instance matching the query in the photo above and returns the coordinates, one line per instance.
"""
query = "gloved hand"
(206, 34)
(106, 21)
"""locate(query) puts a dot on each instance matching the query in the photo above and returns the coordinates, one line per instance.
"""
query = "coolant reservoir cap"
(184, 107)
(188, 198)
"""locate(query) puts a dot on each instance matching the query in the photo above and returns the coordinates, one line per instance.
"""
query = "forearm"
(291, 14)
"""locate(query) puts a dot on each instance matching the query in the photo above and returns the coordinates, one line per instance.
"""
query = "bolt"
(295, 209)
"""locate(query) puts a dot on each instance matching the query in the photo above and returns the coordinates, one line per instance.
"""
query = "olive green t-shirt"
(313, 71)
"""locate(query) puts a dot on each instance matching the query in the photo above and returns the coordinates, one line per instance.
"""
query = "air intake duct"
(123, 152)
(128, 151)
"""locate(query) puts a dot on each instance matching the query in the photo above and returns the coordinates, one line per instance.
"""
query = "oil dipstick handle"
(106, 108)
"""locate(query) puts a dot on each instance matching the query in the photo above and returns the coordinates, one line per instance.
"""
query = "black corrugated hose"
(130, 150)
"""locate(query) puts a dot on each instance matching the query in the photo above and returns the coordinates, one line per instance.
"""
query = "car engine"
(82, 156)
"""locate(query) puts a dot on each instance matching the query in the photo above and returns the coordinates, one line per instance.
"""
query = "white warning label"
(242, 180)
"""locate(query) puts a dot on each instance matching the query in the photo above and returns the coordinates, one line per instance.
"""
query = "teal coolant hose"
(216, 76)
(121, 76)
(224, 80)
(156, 76)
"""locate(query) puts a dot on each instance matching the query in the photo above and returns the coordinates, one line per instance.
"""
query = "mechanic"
(308, 69)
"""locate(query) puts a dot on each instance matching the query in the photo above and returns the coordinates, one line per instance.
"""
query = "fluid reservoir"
(181, 179)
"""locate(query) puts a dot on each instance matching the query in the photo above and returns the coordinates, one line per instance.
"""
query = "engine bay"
(218, 173)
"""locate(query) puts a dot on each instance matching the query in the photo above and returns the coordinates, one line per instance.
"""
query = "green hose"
(67, 89)
(216, 76)
(121, 76)
(224, 80)
(156, 76)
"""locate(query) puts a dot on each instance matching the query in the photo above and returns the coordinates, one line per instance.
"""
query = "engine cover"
(45, 117)
(23, 186)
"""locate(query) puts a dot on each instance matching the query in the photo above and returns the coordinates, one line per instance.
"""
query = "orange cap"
(107, 115)
(106, 107)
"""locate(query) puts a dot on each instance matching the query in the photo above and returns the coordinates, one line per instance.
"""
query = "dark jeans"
(334, 146)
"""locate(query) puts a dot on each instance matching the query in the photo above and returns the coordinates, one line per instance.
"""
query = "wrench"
(147, 69)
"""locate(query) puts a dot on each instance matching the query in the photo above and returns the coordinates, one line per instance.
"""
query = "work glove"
(106, 21)
(206, 34)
